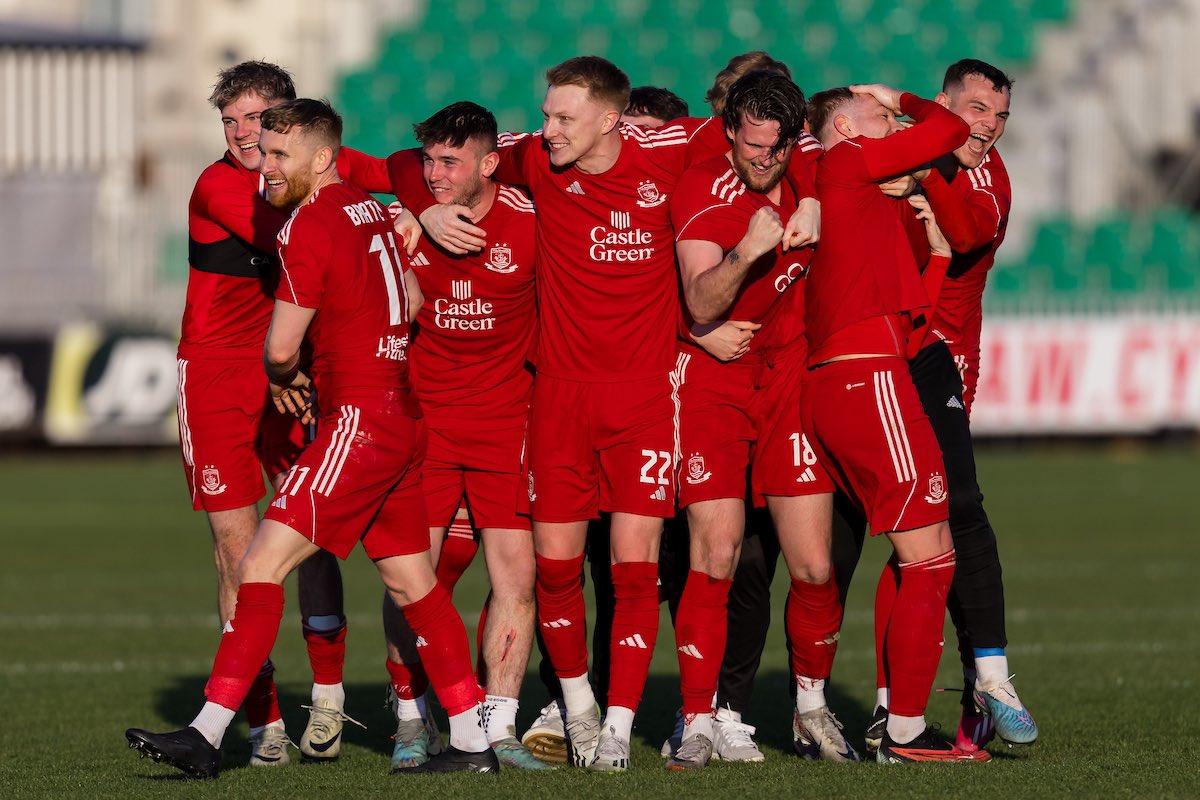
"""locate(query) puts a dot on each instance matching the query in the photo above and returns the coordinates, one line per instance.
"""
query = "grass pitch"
(107, 618)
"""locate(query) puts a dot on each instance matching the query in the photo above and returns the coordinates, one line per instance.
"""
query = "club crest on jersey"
(695, 470)
(937, 489)
(650, 195)
(210, 478)
(500, 260)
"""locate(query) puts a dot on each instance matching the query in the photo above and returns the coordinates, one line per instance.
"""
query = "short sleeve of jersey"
(516, 157)
(305, 251)
(698, 213)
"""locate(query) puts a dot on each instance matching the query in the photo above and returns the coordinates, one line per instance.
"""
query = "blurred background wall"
(1093, 321)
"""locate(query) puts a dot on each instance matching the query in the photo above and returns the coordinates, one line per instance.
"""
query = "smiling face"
(457, 174)
(573, 123)
(290, 166)
(755, 154)
(242, 128)
(985, 109)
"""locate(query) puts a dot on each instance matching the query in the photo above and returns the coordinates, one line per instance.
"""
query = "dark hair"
(316, 117)
(654, 101)
(767, 96)
(738, 66)
(269, 81)
(972, 66)
(603, 79)
(822, 105)
(456, 124)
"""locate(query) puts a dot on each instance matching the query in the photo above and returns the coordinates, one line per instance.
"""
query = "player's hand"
(763, 233)
(450, 226)
(902, 186)
(888, 97)
(296, 398)
(937, 240)
(725, 341)
(408, 229)
(804, 227)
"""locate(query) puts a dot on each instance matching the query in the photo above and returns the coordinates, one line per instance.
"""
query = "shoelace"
(270, 745)
(739, 734)
(332, 715)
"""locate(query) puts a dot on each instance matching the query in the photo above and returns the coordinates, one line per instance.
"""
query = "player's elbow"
(279, 356)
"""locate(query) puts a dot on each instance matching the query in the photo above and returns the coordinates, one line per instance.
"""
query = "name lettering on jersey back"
(366, 212)
(617, 241)
(464, 312)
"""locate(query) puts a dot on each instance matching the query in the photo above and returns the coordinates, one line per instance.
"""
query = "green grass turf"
(107, 621)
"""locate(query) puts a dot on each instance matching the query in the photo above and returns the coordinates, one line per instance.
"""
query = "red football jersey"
(477, 325)
(987, 194)
(864, 266)
(338, 254)
(231, 247)
(712, 204)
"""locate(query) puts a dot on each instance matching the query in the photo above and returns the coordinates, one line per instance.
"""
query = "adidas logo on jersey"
(659, 494)
(575, 188)
(633, 641)
(954, 402)
(419, 260)
(691, 650)
(808, 476)
(557, 623)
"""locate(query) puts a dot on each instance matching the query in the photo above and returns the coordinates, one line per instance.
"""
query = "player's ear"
(609, 120)
(843, 125)
(489, 163)
(323, 159)
(942, 99)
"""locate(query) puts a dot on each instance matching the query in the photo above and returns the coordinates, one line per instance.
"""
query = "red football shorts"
(601, 446)
(360, 479)
(784, 462)
(230, 432)
(483, 465)
(716, 433)
(866, 423)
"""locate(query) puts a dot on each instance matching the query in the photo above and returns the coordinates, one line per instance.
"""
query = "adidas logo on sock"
(808, 476)
(659, 494)
(954, 402)
(575, 188)
(691, 650)
(419, 260)
(557, 623)
(633, 641)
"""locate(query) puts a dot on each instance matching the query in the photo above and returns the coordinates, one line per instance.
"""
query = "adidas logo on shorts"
(633, 641)
(659, 494)
(808, 476)
(421, 642)
(954, 402)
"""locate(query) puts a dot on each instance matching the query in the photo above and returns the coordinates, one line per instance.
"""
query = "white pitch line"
(145, 621)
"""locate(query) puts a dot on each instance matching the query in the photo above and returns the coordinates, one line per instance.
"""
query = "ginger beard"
(287, 166)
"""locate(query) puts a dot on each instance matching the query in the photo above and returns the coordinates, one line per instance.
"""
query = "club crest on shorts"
(695, 469)
(500, 260)
(650, 195)
(210, 481)
(937, 489)
(532, 493)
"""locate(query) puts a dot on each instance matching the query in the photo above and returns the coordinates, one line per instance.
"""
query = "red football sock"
(885, 601)
(813, 619)
(914, 635)
(458, 551)
(262, 703)
(409, 681)
(562, 615)
(700, 635)
(634, 631)
(445, 653)
(245, 643)
(326, 652)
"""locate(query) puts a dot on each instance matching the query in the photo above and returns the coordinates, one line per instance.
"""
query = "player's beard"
(468, 193)
(756, 181)
(298, 188)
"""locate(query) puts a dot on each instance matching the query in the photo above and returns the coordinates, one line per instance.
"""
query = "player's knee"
(814, 570)
(718, 560)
